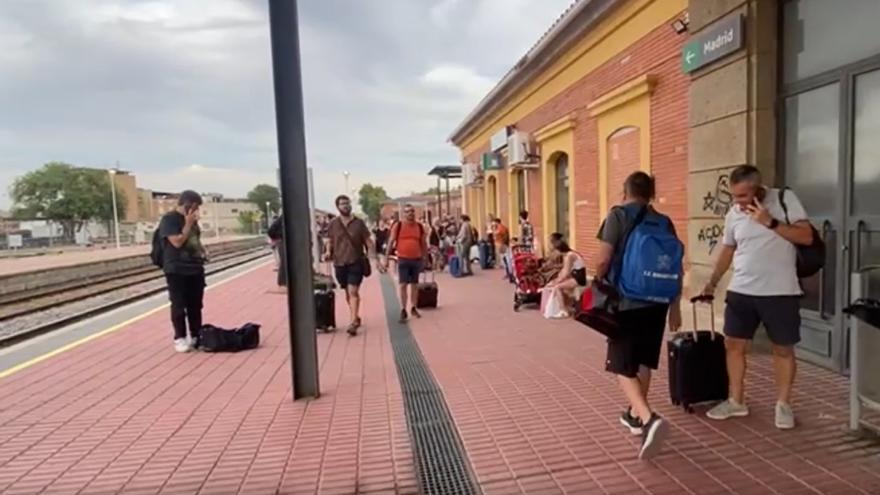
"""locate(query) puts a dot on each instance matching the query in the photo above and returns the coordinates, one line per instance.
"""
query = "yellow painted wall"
(629, 105)
(512, 195)
(555, 139)
(622, 28)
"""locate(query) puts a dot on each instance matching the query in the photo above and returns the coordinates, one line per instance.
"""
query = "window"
(820, 35)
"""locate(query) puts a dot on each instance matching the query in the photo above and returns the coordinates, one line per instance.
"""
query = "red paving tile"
(533, 406)
(124, 412)
(538, 414)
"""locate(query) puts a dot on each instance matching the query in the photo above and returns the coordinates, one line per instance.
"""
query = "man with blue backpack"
(640, 261)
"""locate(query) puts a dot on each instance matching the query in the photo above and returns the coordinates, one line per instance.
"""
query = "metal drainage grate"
(441, 461)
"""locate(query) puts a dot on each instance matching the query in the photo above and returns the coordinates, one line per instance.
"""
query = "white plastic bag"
(552, 307)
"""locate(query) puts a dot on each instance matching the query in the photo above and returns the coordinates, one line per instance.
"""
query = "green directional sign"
(714, 42)
(691, 57)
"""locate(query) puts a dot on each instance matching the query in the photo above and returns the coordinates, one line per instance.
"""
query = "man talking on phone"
(183, 261)
(759, 240)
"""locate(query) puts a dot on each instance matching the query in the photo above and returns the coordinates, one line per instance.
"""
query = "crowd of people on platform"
(763, 231)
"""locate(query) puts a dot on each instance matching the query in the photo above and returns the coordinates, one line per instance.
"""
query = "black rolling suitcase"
(428, 292)
(697, 364)
(325, 309)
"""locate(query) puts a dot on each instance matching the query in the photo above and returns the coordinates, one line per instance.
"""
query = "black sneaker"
(415, 313)
(634, 424)
(653, 435)
(403, 316)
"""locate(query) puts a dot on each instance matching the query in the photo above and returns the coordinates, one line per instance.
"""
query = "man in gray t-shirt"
(760, 239)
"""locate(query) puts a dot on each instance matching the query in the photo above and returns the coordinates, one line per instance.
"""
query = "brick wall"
(658, 54)
(623, 159)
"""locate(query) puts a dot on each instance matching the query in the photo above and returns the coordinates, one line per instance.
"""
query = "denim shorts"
(408, 270)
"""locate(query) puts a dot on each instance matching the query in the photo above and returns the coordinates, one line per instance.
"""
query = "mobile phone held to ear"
(761, 194)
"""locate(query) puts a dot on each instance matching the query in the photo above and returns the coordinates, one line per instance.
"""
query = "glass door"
(864, 215)
(812, 171)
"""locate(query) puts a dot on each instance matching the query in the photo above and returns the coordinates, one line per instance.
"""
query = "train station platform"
(531, 408)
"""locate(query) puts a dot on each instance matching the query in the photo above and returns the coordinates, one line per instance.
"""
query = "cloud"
(456, 78)
(159, 85)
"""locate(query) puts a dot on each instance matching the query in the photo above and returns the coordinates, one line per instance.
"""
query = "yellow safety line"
(77, 343)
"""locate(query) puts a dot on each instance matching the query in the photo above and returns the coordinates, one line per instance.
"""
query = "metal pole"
(855, 402)
(115, 209)
(268, 216)
(439, 200)
(284, 28)
(316, 253)
(448, 199)
(216, 218)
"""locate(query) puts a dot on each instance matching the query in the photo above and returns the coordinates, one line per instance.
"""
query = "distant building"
(450, 206)
(126, 191)
(395, 205)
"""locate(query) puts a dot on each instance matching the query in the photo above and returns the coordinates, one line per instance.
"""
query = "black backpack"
(156, 254)
(810, 259)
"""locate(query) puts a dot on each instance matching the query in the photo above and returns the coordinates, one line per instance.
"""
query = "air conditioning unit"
(521, 151)
(471, 174)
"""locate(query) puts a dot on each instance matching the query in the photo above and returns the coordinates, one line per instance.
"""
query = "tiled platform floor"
(124, 413)
(538, 414)
(534, 408)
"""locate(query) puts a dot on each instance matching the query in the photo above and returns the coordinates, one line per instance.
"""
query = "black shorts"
(408, 270)
(350, 275)
(781, 316)
(640, 341)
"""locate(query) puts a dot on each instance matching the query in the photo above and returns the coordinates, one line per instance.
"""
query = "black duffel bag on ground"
(216, 339)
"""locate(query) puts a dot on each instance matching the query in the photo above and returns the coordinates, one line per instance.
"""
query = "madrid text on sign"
(719, 40)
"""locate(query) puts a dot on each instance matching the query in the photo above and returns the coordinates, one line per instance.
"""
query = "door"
(863, 214)
(562, 197)
(812, 154)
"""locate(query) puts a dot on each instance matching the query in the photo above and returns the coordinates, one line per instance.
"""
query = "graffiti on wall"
(710, 235)
(718, 200)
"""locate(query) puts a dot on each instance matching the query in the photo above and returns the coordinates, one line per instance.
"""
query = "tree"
(66, 194)
(248, 221)
(370, 199)
(264, 193)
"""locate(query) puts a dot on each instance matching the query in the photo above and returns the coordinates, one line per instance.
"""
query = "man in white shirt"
(759, 240)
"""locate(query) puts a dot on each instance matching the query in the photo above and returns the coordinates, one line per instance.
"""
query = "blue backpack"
(650, 267)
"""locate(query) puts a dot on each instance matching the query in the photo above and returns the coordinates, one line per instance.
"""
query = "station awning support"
(445, 172)
(295, 206)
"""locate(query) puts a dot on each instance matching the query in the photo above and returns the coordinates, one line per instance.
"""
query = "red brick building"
(597, 98)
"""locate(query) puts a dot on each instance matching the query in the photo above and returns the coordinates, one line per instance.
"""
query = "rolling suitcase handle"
(433, 275)
(703, 299)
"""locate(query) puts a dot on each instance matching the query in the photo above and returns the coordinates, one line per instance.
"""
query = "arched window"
(623, 159)
(562, 196)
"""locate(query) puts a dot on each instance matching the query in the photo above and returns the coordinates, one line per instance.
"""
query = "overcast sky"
(180, 91)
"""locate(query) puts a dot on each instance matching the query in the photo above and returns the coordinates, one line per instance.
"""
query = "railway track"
(28, 318)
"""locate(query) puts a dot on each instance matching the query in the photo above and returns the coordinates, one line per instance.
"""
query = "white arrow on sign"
(690, 56)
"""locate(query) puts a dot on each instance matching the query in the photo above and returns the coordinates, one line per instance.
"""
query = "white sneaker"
(784, 416)
(728, 409)
(181, 345)
(192, 343)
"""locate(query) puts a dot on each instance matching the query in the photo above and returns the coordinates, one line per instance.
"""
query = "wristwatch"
(773, 224)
